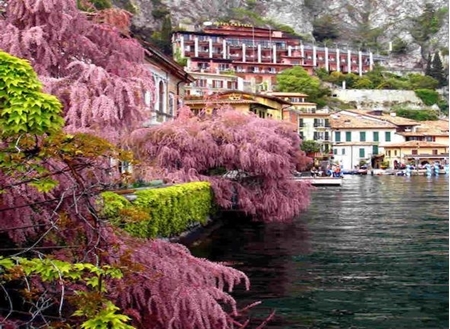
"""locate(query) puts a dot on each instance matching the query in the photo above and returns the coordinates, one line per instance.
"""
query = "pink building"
(258, 54)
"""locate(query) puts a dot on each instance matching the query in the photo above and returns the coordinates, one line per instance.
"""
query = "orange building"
(264, 106)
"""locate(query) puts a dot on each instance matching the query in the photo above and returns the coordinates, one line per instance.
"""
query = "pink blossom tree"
(249, 161)
(49, 211)
(95, 70)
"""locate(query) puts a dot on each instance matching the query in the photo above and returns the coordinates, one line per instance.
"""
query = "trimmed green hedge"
(160, 212)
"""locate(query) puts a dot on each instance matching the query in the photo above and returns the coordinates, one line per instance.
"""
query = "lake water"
(370, 254)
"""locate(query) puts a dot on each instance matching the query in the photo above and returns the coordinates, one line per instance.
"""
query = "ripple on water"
(371, 254)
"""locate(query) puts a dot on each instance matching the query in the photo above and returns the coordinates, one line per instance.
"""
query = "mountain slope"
(361, 24)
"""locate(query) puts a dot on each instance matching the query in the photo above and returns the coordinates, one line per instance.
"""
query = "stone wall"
(378, 99)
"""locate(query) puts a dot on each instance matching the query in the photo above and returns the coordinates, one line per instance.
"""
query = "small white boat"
(321, 181)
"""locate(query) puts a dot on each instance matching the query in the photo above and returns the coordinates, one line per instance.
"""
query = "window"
(387, 136)
(414, 152)
(362, 136)
(335, 151)
(217, 83)
(435, 152)
(375, 149)
(231, 85)
(362, 153)
(376, 136)
(395, 153)
(348, 136)
(343, 151)
(301, 124)
(337, 136)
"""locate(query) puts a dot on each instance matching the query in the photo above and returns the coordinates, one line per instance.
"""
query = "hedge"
(160, 212)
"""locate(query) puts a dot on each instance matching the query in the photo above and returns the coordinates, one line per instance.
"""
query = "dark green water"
(370, 254)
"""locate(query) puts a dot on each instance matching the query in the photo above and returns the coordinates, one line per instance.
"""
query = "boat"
(321, 181)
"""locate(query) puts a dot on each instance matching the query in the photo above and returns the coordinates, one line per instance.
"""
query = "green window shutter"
(362, 136)
(348, 136)
(362, 153)
(387, 136)
(375, 149)
(337, 136)
(376, 136)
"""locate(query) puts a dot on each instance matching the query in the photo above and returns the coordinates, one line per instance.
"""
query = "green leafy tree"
(426, 25)
(428, 65)
(399, 46)
(297, 79)
(310, 146)
(437, 70)
(419, 81)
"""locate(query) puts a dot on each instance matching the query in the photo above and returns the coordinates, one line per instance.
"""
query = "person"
(314, 172)
(337, 171)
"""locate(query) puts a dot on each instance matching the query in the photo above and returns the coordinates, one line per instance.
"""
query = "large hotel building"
(258, 54)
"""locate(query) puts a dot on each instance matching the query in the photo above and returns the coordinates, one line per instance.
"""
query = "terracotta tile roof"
(399, 121)
(345, 121)
(441, 125)
(412, 144)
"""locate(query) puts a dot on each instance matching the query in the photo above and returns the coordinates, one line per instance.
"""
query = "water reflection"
(370, 254)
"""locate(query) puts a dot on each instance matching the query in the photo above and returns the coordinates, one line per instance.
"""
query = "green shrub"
(418, 115)
(428, 96)
(162, 212)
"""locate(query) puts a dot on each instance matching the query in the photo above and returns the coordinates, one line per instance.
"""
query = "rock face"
(390, 19)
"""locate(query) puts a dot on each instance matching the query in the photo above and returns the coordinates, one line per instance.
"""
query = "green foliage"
(310, 146)
(428, 97)
(163, 38)
(297, 79)
(163, 212)
(92, 5)
(418, 115)
(399, 46)
(179, 59)
(100, 313)
(427, 24)
(363, 83)
(24, 108)
(437, 70)
(419, 81)
(443, 106)
(105, 318)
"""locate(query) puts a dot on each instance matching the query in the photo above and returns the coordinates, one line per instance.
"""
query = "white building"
(357, 138)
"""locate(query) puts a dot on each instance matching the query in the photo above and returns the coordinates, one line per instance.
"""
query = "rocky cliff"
(378, 25)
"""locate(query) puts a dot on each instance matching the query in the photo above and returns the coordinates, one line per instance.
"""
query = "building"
(358, 138)
(209, 83)
(415, 152)
(169, 79)
(426, 142)
(258, 54)
(264, 106)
